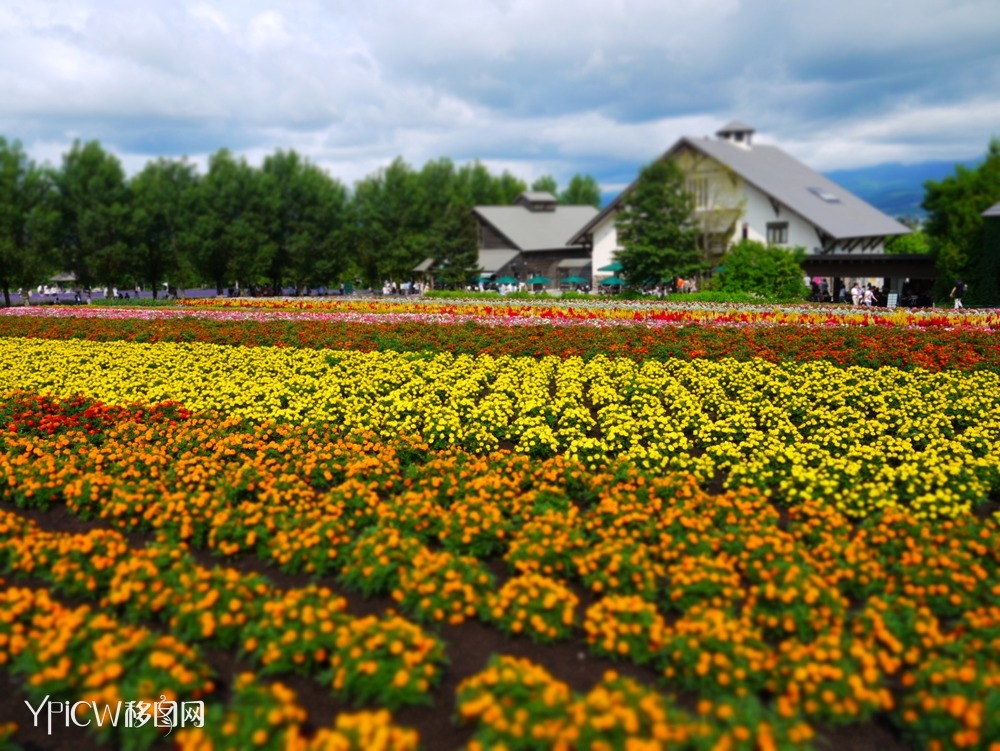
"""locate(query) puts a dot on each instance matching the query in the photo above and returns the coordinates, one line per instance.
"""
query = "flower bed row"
(296, 630)
(837, 621)
(675, 311)
(857, 438)
(937, 347)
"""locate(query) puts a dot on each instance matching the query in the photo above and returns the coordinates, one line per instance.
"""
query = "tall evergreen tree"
(656, 228)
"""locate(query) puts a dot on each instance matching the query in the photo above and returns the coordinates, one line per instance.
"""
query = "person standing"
(958, 292)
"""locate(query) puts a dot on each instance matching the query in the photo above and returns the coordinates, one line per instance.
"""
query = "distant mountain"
(895, 189)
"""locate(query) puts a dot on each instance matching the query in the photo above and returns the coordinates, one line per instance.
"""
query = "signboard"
(891, 300)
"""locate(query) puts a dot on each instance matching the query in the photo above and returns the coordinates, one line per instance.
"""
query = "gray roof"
(424, 266)
(491, 261)
(538, 196)
(536, 230)
(833, 209)
(992, 211)
(734, 126)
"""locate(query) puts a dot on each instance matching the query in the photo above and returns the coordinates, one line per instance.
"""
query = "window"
(824, 195)
(698, 187)
(777, 233)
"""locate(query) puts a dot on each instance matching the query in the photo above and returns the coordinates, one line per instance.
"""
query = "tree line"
(287, 223)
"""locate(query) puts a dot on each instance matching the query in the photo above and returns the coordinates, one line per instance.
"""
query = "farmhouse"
(532, 238)
(744, 190)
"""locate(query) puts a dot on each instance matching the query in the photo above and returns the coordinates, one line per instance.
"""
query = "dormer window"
(824, 195)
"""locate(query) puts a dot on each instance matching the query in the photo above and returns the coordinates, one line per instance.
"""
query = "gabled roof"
(424, 266)
(819, 200)
(491, 261)
(833, 209)
(992, 211)
(536, 230)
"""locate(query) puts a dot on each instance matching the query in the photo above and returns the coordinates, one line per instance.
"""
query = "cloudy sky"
(533, 86)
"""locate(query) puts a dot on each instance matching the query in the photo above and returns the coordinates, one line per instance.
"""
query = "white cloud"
(599, 86)
(267, 31)
(211, 16)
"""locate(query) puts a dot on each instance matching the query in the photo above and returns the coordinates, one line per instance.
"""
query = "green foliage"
(772, 270)
(26, 220)
(225, 223)
(94, 216)
(285, 223)
(955, 226)
(915, 243)
(304, 215)
(133, 302)
(161, 217)
(546, 184)
(656, 229)
(582, 190)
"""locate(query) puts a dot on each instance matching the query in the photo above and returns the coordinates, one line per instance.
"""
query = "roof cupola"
(736, 133)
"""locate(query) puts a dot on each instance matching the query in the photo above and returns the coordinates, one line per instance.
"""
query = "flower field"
(332, 543)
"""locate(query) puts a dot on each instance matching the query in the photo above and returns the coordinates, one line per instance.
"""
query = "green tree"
(448, 228)
(477, 185)
(582, 190)
(955, 227)
(303, 212)
(915, 243)
(770, 270)
(457, 252)
(546, 184)
(388, 206)
(26, 221)
(94, 215)
(509, 188)
(226, 224)
(163, 197)
(655, 227)
(480, 188)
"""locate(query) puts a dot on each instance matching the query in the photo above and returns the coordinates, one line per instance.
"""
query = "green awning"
(575, 280)
(616, 266)
(538, 280)
(613, 281)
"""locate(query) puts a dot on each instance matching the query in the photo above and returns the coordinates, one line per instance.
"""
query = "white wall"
(726, 191)
(605, 247)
